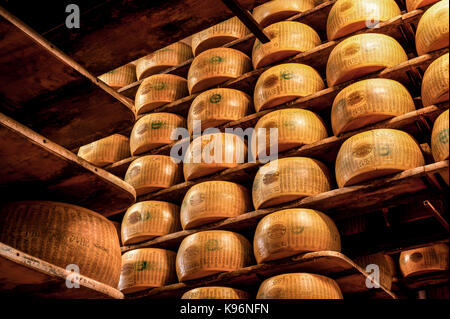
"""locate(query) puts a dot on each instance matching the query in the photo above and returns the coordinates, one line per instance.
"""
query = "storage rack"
(69, 84)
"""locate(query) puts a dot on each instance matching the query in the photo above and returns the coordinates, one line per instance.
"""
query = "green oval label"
(157, 125)
(212, 245)
(215, 98)
(443, 136)
(286, 75)
(216, 59)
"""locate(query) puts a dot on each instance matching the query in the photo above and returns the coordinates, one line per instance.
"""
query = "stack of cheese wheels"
(362, 54)
(369, 101)
(106, 151)
(384, 266)
(215, 293)
(422, 260)
(153, 172)
(211, 153)
(293, 231)
(287, 38)
(120, 77)
(416, 4)
(153, 130)
(435, 82)
(216, 66)
(284, 83)
(288, 179)
(63, 234)
(211, 252)
(218, 35)
(432, 30)
(439, 141)
(376, 153)
(147, 268)
(278, 10)
(299, 286)
(148, 219)
(348, 16)
(295, 127)
(211, 201)
(158, 90)
(158, 61)
(217, 106)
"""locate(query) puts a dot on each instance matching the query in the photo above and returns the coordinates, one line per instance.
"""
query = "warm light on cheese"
(215, 66)
(215, 293)
(299, 286)
(63, 234)
(162, 59)
(287, 38)
(416, 4)
(362, 54)
(293, 231)
(287, 179)
(158, 90)
(210, 252)
(218, 35)
(147, 268)
(423, 260)
(284, 83)
(148, 219)
(120, 77)
(154, 130)
(211, 201)
(435, 82)
(218, 106)
(153, 172)
(278, 10)
(367, 102)
(106, 151)
(376, 153)
(432, 30)
(348, 16)
(382, 262)
(439, 138)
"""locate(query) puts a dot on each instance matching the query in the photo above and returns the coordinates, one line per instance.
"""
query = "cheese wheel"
(435, 82)
(416, 4)
(288, 179)
(210, 252)
(362, 54)
(278, 10)
(418, 261)
(218, 35)
(147, 268)
(285, 82)
(212, 153)
(120, 77)
(211, 201)
(376, 153)
(299, 286)
(162, 59)
(432, 30)
(63, 234)
(384, 266)
(290, 232)
(367, 102)
(148, 219)
(215, 66)
(106, 151)
(215, 293)
(153, 130)
(287, 38)
(439, 138)
(158, 90)
(348, 16)
(152, 172)
(218, 106)
(295, 127)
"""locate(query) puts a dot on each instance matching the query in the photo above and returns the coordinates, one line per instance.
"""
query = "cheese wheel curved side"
(106, 151)
(435, 82)
(215, 292)
(120, 77)
(422, 260)
(278, 10)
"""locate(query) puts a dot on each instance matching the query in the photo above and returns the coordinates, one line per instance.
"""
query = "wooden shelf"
(34, 167)
(23, 275)
(350, 277)
(46, 90)
(424, 280)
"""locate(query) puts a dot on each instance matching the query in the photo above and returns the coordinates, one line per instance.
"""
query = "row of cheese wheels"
(289, 38)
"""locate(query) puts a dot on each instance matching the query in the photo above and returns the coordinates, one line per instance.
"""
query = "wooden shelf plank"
(327, 263)
(49, 92)
(27, 275)
(34, 167)
(424, 280)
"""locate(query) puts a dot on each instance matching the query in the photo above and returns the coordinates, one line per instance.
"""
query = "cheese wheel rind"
(215, 293)
(278, 10)
(435, 83)
(120, 77)
(106, 151)
(416, 4)
(425, 259)
(439, 138)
